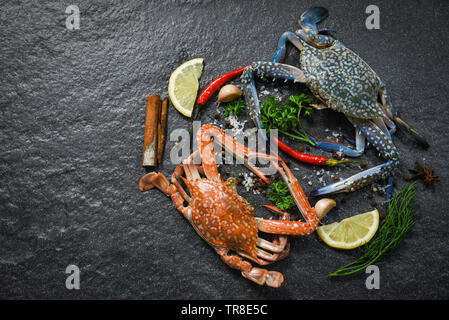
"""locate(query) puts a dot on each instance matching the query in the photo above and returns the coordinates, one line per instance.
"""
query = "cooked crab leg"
(158, 180)
(239, 151)
(274, 247)
(279, 245)
(258, 275)
(191, 171)
(322, 207)
(310, 214)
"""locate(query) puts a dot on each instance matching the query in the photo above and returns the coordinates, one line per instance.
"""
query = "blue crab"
(342, 81)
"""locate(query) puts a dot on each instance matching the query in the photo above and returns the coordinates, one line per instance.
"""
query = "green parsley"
(285, 118)
(235, 107)
(280, 195)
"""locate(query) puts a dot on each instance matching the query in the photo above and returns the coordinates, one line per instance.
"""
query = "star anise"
(424, 173)
(430, 177)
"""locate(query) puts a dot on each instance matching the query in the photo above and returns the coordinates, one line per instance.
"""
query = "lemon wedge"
(351, 232)
(183, 85)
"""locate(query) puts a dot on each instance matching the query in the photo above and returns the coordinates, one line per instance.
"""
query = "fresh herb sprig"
(285, 118)
(280, 195)
(400, 218)
(235, 107)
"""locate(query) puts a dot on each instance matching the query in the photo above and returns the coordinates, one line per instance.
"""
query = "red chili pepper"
(307, 158)
(212, 87)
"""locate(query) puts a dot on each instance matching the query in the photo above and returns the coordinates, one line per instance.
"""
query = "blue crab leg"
(331, 146)
(288, 36)
(252, 100)
(279, 55)
(383, 144)
(392, 113)
(381, 124)
(388, 121)
(389, 190)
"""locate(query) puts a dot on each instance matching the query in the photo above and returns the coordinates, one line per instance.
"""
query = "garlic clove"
(323, 206)
(228, 93)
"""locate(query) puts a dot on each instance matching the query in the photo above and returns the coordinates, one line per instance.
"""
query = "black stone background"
(72, 121)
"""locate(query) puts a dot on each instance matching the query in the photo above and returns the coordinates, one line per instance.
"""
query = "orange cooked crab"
(225, 219)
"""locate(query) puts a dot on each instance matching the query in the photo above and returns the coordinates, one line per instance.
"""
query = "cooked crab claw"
(261, 276)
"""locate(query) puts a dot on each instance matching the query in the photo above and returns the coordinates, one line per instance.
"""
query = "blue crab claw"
(326, 30)
(329, 189)
(352, 141)
(310, 18)
(309, 31)
(330, 146)
(391, 113)
(356, 181)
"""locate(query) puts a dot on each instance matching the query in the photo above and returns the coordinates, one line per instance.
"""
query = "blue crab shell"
(341, 79)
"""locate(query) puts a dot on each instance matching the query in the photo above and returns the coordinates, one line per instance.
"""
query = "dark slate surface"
(72, 119)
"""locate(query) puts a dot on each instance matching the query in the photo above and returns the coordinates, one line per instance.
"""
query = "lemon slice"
(183, 85)
(351, 232)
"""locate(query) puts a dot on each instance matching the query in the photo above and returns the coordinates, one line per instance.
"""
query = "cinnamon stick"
(150, 136)
(161, 130)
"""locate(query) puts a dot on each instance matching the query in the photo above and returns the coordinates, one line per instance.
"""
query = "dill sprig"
(280, 195)
(235, 107)
(400, 218)
(286, 118)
